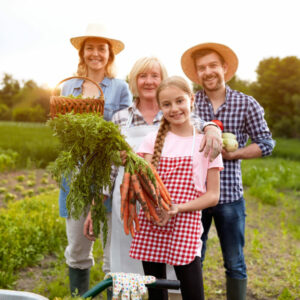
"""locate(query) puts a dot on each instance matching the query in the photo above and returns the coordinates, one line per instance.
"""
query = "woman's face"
(148, 82)
(95, 54)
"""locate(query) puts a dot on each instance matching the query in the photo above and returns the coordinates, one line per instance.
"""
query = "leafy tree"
(10, 87)
(278, 88)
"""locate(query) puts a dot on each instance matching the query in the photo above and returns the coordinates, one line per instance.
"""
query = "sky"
(35, 34)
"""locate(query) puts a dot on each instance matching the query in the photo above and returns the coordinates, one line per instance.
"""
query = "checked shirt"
(243, 116)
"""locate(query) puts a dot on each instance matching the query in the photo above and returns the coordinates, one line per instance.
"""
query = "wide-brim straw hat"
(98, 31)
(188, 65)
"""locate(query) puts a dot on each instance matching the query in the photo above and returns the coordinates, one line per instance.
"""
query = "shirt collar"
(78, 82)
(228, 91)
(106, 81)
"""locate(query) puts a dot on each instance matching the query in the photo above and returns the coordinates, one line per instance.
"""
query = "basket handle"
(80, 77)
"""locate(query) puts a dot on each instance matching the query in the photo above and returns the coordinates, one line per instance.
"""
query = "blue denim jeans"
(229, 219)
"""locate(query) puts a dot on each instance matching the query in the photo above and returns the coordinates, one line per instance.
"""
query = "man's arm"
(250, 151)
(261, 137)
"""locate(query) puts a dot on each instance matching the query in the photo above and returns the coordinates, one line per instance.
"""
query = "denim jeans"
(229, 219)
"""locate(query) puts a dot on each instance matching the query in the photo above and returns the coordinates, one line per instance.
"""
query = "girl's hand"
(174, 210)
(165, 216)
(88, 228)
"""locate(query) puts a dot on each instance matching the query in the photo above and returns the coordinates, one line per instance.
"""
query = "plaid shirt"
(243, 116)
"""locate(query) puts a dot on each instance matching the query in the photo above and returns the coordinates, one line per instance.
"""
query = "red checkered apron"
(178, 242)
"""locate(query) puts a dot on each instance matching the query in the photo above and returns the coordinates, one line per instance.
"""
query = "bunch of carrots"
(151, 194)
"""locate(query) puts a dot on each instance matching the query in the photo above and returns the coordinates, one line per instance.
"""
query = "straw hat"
(188, 66)
(98, 31)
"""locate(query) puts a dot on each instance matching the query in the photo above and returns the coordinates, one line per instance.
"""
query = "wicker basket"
(62, 104)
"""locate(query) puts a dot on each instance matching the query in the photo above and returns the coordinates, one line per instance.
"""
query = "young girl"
(193, 183)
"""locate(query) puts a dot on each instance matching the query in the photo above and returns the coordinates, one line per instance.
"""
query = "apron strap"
(129, 120)
(194, 139)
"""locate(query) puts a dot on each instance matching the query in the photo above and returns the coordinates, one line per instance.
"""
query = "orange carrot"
(125, 219)
(132, 230)
(148, 187)
(132, 207)
(163, 190)
(151, 208)
(140, 195)
(124, 187)
(161, 201)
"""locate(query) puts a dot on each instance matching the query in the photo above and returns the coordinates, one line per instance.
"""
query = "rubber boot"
(236, 289)
(79, 281)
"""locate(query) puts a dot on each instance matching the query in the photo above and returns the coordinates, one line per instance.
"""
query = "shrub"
(29, 114)
(8, 159)
(5, 112)
(36, 219)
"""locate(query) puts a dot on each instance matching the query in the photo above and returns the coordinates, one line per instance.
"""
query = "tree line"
(277, 89)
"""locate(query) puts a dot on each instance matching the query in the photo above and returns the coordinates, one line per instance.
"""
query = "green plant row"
(267, 178)
(8, 159)
(29, 229)
(35, 144)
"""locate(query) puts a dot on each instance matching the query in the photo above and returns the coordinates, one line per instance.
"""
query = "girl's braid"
(159, 141)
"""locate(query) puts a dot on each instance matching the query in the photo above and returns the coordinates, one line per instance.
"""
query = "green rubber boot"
(236, 289)
(79, 281)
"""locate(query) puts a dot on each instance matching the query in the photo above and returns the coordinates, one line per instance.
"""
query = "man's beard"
(217, 85)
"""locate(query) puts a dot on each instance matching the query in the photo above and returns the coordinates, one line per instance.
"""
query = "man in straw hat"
(212, 65)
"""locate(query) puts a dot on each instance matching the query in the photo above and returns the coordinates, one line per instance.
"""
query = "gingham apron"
(178, 242)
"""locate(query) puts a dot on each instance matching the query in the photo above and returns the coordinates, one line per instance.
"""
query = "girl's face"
(96, 54)
(148, 81)
(175, 105)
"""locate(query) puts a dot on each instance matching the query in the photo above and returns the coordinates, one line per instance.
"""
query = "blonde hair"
(164, 127)
(140, 66)
(159, 141)
(176, 81)
(110, 70)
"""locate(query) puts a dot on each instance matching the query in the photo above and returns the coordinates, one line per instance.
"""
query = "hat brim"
(116, 45)
(188, 65)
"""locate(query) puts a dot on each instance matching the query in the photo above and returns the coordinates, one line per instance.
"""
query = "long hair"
(182, 84)
(159, 141)
(109, 68)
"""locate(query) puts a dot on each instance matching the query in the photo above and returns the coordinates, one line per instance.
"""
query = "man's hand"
(88, 228)
(229, 155)
(212, 142)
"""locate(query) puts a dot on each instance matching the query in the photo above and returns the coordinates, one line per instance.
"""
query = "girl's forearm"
(208, 199)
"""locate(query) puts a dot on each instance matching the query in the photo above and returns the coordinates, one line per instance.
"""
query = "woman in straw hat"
(97, 50)
(136, 121)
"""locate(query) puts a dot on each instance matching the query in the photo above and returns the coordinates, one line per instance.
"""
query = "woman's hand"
(123, 155)
(88, 228)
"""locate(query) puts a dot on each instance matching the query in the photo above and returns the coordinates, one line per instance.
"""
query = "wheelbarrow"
(93, 292)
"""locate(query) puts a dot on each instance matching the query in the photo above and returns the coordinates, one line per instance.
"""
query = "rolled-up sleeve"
(257, 128)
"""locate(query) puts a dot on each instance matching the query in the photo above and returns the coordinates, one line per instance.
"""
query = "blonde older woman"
(142, 117)
(97, 52)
